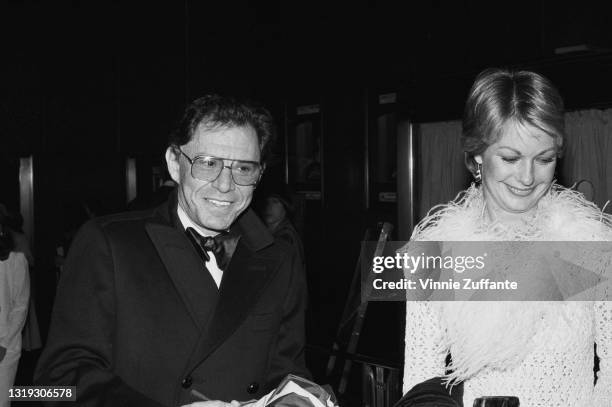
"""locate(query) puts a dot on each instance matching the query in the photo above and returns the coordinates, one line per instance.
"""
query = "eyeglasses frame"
(229, 167)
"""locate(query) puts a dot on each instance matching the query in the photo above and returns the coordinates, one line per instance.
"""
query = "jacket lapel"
(186, 269)
(248, 273)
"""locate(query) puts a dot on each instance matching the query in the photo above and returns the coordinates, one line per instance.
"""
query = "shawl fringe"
(499, 335)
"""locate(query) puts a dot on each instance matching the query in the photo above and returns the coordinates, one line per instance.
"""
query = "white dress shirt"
(214, 270)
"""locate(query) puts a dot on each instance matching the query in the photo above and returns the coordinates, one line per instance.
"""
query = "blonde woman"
(543, 353)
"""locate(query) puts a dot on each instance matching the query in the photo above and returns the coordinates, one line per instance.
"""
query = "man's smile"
(217, 202)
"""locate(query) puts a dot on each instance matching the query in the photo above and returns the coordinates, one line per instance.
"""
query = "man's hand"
(215, 403)
(2, 352)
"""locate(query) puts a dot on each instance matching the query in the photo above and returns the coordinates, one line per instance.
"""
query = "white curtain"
(588, 154)
(440, 169)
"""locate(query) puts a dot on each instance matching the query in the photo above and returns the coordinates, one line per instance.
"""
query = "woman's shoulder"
(568, 215)
(458, 219)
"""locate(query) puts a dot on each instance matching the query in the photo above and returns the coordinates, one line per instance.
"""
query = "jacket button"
(187, 382)
(253, 387)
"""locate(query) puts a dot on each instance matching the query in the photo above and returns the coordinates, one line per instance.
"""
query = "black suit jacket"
(139, 322)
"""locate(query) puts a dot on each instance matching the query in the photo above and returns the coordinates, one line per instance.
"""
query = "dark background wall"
(86, 84)
(75, 71)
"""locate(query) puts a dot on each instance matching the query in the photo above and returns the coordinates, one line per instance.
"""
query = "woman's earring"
(478, 176)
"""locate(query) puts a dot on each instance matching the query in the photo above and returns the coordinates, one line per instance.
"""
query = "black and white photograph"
(306, 204)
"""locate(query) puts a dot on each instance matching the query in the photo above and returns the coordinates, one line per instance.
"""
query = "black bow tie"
(222, 246)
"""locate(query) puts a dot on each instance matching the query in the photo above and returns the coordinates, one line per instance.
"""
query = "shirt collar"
(188, 223)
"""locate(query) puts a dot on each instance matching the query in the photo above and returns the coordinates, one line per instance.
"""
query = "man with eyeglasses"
(191, 301)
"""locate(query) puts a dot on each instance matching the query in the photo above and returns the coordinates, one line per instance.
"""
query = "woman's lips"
(520, 191)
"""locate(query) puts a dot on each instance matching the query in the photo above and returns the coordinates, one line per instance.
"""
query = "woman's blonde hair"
(500, 95)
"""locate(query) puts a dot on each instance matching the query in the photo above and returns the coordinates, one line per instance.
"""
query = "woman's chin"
(518, 208)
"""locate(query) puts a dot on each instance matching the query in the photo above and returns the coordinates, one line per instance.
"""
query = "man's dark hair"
(223, 111)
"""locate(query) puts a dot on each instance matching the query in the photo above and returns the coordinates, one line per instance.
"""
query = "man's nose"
(224, 182)
(526, 173)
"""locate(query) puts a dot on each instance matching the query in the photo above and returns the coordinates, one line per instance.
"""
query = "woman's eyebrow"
(519, 153)
(514, 150)
(547, 150)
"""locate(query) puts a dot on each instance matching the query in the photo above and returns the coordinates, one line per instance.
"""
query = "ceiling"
(98, 67)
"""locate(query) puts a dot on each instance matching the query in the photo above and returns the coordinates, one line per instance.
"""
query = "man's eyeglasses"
(208, 168)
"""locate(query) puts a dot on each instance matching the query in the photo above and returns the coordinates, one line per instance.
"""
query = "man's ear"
(263, 169)
(172, 161)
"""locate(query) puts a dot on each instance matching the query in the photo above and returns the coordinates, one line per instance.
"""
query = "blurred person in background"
(276, 214)
(31, 331)
(14, 297)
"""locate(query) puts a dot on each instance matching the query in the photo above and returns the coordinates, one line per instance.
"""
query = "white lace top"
(558, 372)
(556, 368)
